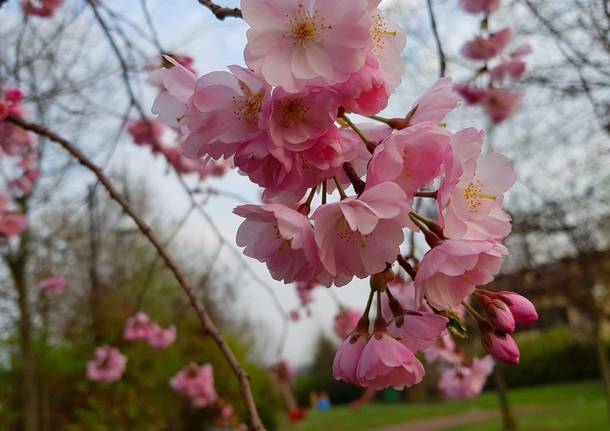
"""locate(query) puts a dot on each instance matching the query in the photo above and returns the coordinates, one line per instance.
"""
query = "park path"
(443, 423)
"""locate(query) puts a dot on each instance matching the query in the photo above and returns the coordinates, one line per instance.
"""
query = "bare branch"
(221, 12)
(206, 321)
(442, 59)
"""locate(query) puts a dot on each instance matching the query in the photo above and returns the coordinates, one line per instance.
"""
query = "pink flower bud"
(522, 309)
(499, 314)
(501, 346)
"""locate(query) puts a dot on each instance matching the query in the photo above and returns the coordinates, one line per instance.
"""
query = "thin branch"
(208, 324)
(221, 12)
(442, 59)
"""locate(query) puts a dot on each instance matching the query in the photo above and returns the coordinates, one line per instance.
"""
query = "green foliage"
(555, 355)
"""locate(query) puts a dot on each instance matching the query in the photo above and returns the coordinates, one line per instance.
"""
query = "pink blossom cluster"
(53, 285)
(285, 122)
(196, 383)
(41, 8)
(108, 365)
(141, 328)
(498, 102)
(149, 134)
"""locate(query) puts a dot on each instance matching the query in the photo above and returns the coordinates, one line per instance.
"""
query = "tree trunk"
(508, 419)
(602, 358)
(29, 390)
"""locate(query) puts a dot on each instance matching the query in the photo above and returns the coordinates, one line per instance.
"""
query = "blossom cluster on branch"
(498, 102)
(286, 123)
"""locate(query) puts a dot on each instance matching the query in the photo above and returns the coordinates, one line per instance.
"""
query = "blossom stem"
(305, 207)
(363, 323)
(474, 313)
(380, 119)
(324, 192)
(358, 184)
(406, 266)
(432, 195)
(369, 145)
(430, 224)
(339, 188)
(380, 323)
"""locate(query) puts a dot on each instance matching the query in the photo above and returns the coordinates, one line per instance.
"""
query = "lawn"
(566, 407)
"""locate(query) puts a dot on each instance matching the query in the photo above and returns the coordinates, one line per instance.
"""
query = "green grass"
(565, 407)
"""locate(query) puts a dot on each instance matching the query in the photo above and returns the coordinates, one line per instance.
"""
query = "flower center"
(293, 112)
(472, 194)
(345, 233)
(306, 26)
(248, 106)
(380, 32)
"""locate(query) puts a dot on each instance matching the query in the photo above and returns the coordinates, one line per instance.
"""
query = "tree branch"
(442, 59)
(206, 321)
(221, 12)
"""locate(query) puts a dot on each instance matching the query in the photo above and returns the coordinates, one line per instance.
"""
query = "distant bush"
(555, 355)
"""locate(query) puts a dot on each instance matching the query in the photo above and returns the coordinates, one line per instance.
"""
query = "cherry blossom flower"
(443, 350)
(450, 271)
(162, 338)
(197, 383)
(466, 381)
(412, 158)
(500, 104)
(384, 363)
(471, 194)
(228, 109)
(108, 366)
(358, 236)
(293, 43)
(139, 328)
(41, 8)
(485, 48)
(282, 238)
(297, 119)
(53, 285)
(11, 224)
(347, 358)
(346, 321)
(513, 68)
(146, 132)
(435, 103)
(366, 92)
(480, 6)
(177, 85)
(471, 94)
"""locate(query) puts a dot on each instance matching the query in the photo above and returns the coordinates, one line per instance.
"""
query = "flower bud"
(522, 309)
(499, 314)
(501, 346)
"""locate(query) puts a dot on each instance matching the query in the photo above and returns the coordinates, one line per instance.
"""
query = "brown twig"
(442, 59)
(221, 12)
(406, 266)
(208, 324)
(354, 178)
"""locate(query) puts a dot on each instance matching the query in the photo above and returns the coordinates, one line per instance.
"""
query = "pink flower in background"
(358, 236)
(228, 109)
(482, 48)
(513, 68)
(139, 328)
(297, 119)
(197, 383)
(347, 358)
(177, 86)
(11, 224)
(471, 194)
(108, 366)
(53, 285)
(472, 95)
(4, 111)
(146, 132)
(501, 346)
(411, 158)
(500, 104)
(14, 140)
(282, 238)
(443, 350)
(162, 338)
(450, 271)
(384, 363)
(435, 103)
(41, 8)
(346, 321)
(305, 291)
(480, 6)
(466, 381)
(294, 44)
